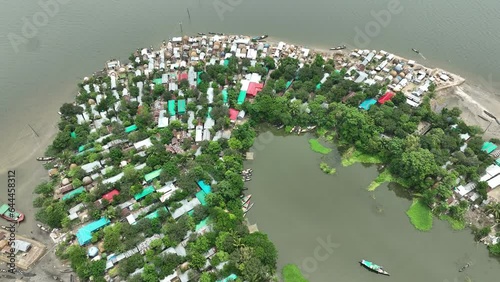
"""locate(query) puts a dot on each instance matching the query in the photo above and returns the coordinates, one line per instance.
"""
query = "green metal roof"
(241, 97)
(288, 83)
(208, 112)
(201, 196)
(226, 63)
(72, 134)
(84, 234)
(224, 96)
(73, 193)
(489, 147)
(152, 175)
(157, 81)
(148, 190)
(202, 224)
(181, 105)
(81, 148)
(131, 128)
(498, 161)
(154, 214)
(198, 80)
(318, 86)
(171, 107)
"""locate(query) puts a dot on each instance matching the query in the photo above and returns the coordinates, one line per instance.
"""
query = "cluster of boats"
(299, 130)
(247, 205)
(247, 174)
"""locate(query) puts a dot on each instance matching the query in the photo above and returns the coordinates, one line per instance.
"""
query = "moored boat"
(10, 216)
(340, 47)
(373, 267)
(246, 199)
(44, 159)
(259, 37)
(246, 207)
(415, 50)
(201, 33)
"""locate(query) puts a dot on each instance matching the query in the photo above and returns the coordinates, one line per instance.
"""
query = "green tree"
(197, 261)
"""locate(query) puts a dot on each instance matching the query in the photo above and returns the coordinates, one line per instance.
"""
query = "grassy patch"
(455, 224)
(321, 132)
(385, 176)
(326, 168)
(353, 156)
(291, 273)
(318, 148)
(420, 216)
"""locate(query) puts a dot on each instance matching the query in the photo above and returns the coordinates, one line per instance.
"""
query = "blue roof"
(206, 188)
(84, 234)
(367, 104)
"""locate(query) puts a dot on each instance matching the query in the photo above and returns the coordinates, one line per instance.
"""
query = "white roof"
(210, 95)
(281, 45)
(464, 190)
(494, 182)
(186, 207)
(199, 134)
(162, 119)
(144, 144)
(91, 166)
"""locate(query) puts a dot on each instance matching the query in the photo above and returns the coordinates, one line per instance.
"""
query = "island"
(146, 176)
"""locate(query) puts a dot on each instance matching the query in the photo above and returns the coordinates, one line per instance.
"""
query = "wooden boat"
(246, 199)
(44, 159)
(464, 267)
(212, 33)
(415, 50)
(247, 207)
(341, 47)
(373, 267)
(201, 33)
(256, 38)
(10, 216)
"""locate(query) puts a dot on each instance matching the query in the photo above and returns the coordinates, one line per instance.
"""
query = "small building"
(233, 114)
(488, 147)
(146, 191)
(366, 105)
(181, 107)
(110, 195)
(84, 234)
(386, 97)
(22, 246)
(73, 193)
(185, 208)
(131, 128)
(171, 107)
(254, 88)
(198, 133)
(152, 175)
(144, 144)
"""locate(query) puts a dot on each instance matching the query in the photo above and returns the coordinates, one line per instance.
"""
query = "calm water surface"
(299, 207)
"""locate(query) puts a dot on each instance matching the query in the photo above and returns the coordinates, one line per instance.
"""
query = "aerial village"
(172, 67)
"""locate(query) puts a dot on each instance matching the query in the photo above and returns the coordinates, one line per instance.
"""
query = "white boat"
(245, 199)
(247, 207)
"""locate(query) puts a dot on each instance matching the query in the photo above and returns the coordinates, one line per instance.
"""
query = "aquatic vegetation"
(385, 176)
(353, 156)
(326, 168)
(291, 273)
(318, 148)
(420, 216)
(455, 224)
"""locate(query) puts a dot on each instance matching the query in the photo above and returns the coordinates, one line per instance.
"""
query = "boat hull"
(373, 267)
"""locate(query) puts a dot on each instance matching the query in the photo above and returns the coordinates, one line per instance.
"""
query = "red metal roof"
(254, 88)
(109, 196)
(387, 97)
(183, 76)
(233, 114)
